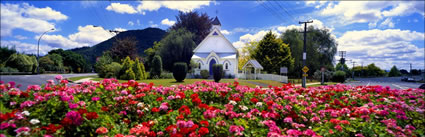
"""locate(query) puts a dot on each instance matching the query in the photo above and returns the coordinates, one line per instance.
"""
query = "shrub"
(318, 75)
(143, 72)
(338, 76)
(112, 70)
(8, 69)
(205, 74)
(166, 75)
(156, 69)
(179, 71)
(217, 72)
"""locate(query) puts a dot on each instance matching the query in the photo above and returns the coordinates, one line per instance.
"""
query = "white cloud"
(88, 3)
(225, 32)
(120, 29)
(20, 37)
(131, 23)
(387, 22)
(121, 8)
(383, 47)
(27, 48)
(371, 12)
(316, 4)
(153, 25)
(184, 6)
(27, 17)
(247, 38)
(138, 22)
(167, 22)
(86, 36)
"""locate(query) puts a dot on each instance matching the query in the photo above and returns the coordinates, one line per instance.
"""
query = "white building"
(216, 49)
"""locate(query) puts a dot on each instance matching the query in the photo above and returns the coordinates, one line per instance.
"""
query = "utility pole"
(352, 69)
(305, 51)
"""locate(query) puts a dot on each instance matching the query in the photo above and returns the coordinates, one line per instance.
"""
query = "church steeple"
(216, 23)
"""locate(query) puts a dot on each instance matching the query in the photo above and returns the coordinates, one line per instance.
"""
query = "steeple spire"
(216, 21)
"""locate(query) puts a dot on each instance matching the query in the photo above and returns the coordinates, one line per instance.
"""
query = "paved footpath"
(26, 80)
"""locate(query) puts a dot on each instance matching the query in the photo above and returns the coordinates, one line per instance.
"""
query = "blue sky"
(380, 32)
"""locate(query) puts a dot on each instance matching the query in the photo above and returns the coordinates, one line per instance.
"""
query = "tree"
(142, 67)
(73, 60)
(404, 72)
(101, 63)
(343, 67)
(127, 69)
(394, 72)
(123, 48)
(321, 49)
(21, 62)
(416, 72)
(272, 54)
(180, 71)
(156, 67)
(177, 46)
(244, 53)
(52, 62)
(151, 53)
(372, 71)
(6, 52)
(198, 24)
(138, 70)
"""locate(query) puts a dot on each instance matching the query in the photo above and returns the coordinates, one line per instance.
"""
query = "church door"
(212, 62)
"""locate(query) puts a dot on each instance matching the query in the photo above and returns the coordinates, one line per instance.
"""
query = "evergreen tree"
(156, 67)
(127, 65)
(394, 72)
(177, 46)
(138, 70)
(144, 75)
(272, 54)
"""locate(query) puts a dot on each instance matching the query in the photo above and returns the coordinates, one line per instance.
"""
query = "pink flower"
(95, 98)
(22, 130)
(58, 77)
(287, 120)
(75, 117)
(294, 132)
(237, 130)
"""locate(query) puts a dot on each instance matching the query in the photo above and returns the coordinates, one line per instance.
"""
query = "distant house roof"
(216, 21)
(254, 63)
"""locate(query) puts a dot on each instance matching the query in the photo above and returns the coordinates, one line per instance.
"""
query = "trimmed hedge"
(217, 72)
(205, 74)
(179, 71)
(338, 76)
(156, 69)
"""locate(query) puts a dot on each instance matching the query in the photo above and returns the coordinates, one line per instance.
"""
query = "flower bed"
(209, 109)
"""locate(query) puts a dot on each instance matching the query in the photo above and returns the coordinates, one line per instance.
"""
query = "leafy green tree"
(6, 52)
(128, 75)
(127, 68)
(373, 71)
(21, 62)
(321, 49)
(101, 62)
(177, 46)
(156, 67)
(179, 71)
(244, 53)
(123, 48)
(272, 54)
(198, 24)
(112, 70)
(394, 72)
(52, 62)
(75, 61)
(339, 76)
(150, 54)
(144, 73)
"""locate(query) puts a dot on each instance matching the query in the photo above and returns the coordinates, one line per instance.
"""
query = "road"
(393, 82)
(26, 80)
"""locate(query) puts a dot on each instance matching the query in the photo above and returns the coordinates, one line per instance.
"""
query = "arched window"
(199, 65)
(227, 66)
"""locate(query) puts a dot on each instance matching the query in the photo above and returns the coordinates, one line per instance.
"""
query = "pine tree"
(272, 54)
(126, 66)
(143, 73)
(138, 70)
(156, 67)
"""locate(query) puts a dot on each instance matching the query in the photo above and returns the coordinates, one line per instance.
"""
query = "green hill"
(145, 38)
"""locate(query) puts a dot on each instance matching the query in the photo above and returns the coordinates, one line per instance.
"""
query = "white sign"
(283, 70)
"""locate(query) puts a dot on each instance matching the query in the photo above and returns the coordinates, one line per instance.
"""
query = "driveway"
(26, 80)
(393, 82)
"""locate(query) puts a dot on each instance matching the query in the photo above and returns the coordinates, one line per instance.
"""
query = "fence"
(274, 77)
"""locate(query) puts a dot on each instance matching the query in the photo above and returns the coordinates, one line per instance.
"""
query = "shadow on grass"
(177, 82)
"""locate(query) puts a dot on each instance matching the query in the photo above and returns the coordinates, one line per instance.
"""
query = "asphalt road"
(26, 80)
(393, 82)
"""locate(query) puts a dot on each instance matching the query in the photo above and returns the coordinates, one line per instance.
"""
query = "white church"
(216, 49)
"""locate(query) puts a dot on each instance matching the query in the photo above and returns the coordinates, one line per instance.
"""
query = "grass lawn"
(82, 77)
(326, 83)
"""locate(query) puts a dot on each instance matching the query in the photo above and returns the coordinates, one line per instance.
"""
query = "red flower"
(82, 111)
(204, 123)
(159, 99)
(66, 121)
(104, 108)
(101, 130)
(184, 110)
(91, 115)
(51, 129)
(196, 101)
(254, 100)
(155, 109)
(193, 96)
(203, 130)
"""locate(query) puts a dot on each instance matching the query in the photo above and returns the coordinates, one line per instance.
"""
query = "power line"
(272, 11)
(284, 9)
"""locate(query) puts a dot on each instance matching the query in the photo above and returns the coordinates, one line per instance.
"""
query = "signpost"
(323, 75)
(305, 70)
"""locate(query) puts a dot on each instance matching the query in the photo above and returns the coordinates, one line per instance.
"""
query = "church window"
(199, 65)
(215, 33)
(227, 66)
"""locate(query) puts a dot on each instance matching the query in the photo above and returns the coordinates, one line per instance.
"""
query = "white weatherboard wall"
(216, 47)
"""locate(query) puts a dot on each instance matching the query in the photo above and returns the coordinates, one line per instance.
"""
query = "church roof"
(216, 21)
